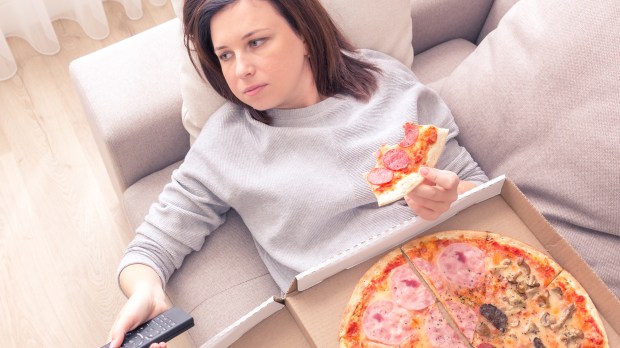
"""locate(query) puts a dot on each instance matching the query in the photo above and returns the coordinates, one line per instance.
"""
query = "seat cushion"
(435, 64)
(222, 281)
(538, 101)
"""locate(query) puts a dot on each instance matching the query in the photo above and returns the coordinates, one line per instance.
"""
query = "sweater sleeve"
(186, 212)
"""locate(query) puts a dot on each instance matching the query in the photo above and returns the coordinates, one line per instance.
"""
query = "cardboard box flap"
(233, 332)
(391, 238)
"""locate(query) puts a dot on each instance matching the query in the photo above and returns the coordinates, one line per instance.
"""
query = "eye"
(225, 56)
(257, 42)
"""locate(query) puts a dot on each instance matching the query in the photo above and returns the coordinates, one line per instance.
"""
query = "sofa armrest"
(438, 21)
(131, 95)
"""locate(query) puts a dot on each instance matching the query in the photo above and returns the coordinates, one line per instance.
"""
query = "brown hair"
(331, 55)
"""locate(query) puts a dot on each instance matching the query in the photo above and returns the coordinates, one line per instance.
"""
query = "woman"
(306, 112)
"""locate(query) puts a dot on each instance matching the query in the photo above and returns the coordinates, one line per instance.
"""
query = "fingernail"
(424, 171)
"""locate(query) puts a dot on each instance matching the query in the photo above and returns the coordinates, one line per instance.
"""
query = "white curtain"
(32, 20)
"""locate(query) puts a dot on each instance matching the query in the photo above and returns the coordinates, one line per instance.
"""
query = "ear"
(306, 50)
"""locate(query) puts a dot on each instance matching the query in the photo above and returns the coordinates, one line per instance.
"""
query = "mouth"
(254, 89)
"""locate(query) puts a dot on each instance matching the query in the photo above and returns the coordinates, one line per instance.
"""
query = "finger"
(442, 178)
(437, 206)
(422, 211)
(432, 193)
(116, 342)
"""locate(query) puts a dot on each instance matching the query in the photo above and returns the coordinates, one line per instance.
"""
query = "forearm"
(139, 277)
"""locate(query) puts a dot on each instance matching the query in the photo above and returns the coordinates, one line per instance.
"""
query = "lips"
(254, 89)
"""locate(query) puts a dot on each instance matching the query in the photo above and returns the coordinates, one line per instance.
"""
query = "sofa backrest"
(437, 21)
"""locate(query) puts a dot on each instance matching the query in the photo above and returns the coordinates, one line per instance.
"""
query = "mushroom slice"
(546, 319)
(532, 281)
(512, 278)
(543, 299)
(564, 316)
(524, 267)
(556, 292)
(531, 328)
(571, 335)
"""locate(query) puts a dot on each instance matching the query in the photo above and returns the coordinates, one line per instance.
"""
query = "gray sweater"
(297, 183)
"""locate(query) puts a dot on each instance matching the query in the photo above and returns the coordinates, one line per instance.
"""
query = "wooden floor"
(62, 231)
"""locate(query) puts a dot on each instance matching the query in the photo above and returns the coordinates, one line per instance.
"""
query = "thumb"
(117, 334)
(116, 341)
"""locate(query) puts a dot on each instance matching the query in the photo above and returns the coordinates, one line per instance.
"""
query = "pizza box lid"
(309, 314)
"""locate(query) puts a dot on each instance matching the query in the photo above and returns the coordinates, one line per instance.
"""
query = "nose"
(244, 66)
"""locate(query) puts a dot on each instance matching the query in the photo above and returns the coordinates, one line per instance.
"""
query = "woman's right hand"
(146, 300)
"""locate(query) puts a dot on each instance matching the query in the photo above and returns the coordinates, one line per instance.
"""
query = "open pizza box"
(309, 315)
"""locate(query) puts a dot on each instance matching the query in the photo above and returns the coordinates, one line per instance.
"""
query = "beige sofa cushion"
(383, 25)
(538, 101)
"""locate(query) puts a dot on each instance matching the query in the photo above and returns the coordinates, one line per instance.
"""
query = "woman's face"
(263, 60)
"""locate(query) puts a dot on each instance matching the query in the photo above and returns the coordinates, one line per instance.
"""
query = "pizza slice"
(391, 307)
(396, 171)
(563, 315)
(453, 264)
(515, 274)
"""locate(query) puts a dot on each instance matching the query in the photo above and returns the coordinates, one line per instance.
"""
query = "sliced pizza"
(396, 171)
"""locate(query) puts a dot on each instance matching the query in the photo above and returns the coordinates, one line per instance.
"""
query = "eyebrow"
(242, 38)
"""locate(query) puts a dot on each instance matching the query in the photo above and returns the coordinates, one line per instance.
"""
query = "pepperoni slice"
(411, 135)
(439, 332)
(396, 159)
(462, 264)
(380, 176)
(408, 290)
(386, 322)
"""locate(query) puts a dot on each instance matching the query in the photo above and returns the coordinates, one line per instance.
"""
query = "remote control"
(162, 328)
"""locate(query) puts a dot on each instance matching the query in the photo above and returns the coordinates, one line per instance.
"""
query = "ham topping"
(462, 264)
(408, 291)
(387, 323)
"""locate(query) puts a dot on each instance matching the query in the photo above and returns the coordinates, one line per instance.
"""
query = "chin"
(261, 106)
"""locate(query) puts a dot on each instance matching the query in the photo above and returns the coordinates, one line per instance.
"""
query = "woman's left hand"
(435, 195)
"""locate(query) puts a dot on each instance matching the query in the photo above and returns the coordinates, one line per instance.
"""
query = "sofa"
(533, 86)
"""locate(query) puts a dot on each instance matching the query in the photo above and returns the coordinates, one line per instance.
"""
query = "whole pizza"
(469, 289)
